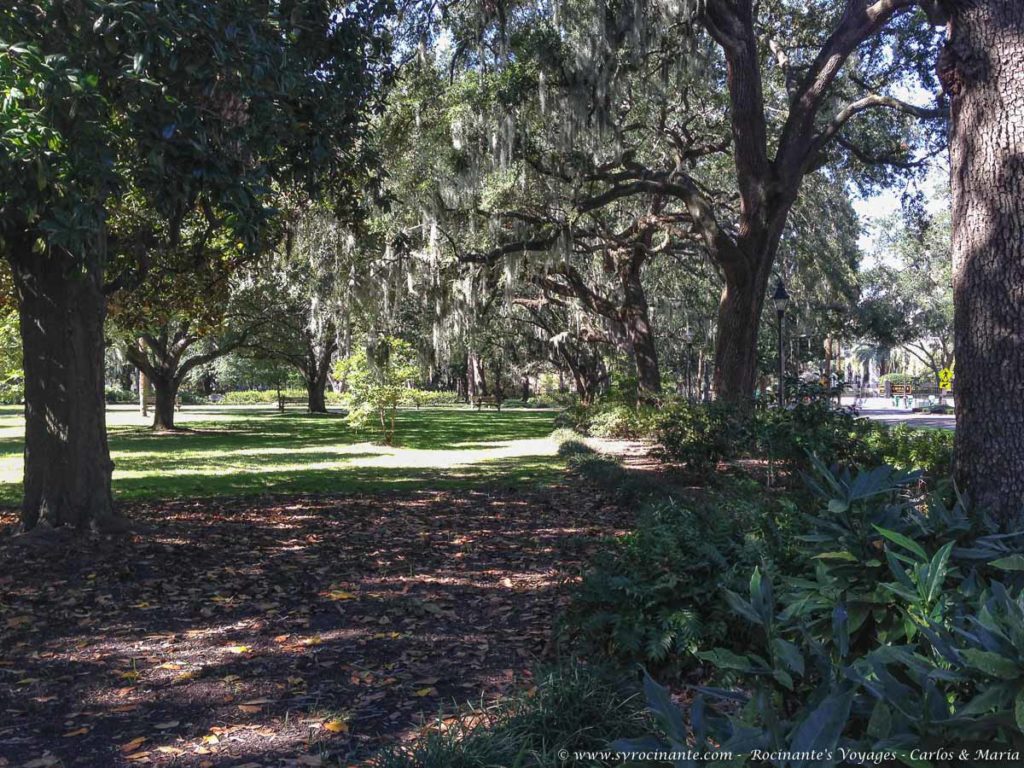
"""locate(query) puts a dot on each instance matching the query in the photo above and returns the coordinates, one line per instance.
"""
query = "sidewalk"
(881, 409)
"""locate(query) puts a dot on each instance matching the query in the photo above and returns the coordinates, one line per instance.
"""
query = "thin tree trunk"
(475, 377)
(641, 336)
(67, 461)
(143, 393)
(982, 68)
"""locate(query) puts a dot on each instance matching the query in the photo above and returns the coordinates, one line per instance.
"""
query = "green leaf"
(903, 541)
(1018, 710)
(988, 700)
(660, 703)
(742, 607)
(1011, 563)
(726, 659)
(788, 654)
(992, 663)
(837, 506)
(822, 728)
(937, 572)
(880, 724)
(783, 678)
(848, 556)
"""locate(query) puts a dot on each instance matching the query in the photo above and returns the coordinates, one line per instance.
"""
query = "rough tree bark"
(982, 68)
(635, 316)
(739, 318)
(476, 380)
(316, 389)
(165, 395)
(67, 461)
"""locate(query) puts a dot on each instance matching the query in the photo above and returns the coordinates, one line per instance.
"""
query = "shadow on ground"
(272, 632)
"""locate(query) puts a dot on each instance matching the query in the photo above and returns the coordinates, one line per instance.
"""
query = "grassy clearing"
(245, 450)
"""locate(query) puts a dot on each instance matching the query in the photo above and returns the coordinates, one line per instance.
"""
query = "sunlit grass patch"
(241, 451)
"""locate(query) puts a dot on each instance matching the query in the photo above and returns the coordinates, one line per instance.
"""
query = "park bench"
(483, 400)
(151, 402)
(285, 400)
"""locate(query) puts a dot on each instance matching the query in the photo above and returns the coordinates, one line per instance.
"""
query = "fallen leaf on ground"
(336, 726)
(132, 745)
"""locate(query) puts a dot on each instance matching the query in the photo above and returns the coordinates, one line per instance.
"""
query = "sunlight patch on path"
(348, 456)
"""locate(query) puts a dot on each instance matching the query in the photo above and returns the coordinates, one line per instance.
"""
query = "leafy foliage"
(269, 396)
(654, 596)
(907, 634)
(903, 447)
(378, 379)
(700, 435)
(620, 420)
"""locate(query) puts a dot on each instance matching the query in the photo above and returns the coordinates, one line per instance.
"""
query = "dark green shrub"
(575, 417)
(258, 396)
(813, 427)
(621, 421)
(655, 595)
(120, 396)
(433, 398)
(904, 447)
(700, 435)
(907, 636)
(269, 396)
(574, 447)
(615, 419)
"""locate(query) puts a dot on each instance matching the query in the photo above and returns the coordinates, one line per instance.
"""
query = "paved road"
(880, 409)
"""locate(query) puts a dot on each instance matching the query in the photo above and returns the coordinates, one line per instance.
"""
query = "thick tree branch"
(873, 101)
(859, 21)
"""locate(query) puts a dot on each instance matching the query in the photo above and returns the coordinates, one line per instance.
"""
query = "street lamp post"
(780, 300)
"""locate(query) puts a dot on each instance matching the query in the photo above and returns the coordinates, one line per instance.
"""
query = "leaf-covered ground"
(306, 631)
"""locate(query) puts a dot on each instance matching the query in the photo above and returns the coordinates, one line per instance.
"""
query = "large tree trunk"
(739, 316)
(316, 388)
(165, 395)
(982, 68)
(67, 462)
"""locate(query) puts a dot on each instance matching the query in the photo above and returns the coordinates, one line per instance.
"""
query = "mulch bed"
(303, 631)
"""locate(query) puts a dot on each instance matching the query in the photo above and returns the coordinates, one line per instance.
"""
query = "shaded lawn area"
(238, 628)
(277, 632)
(245, 451)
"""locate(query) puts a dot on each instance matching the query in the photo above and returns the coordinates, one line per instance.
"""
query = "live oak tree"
(749, 100)
(982, 70)
(189, 104)
(303, 296)
(182, 312)
(567, 342)
(174, 330)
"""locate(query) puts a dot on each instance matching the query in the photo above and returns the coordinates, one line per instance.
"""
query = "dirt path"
(306, 631)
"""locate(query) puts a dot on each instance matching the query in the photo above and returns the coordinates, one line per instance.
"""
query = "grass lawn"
(247, 450)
